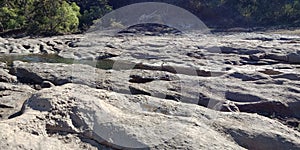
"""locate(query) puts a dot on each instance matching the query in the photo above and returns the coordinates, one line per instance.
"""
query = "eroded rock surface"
(12, 97)
(255, 92)
(120, 121)
(6, 77)
(120, 86)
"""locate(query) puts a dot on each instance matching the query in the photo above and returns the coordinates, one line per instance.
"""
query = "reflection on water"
(53, 58)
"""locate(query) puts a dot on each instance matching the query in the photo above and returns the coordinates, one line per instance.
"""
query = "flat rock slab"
(137, 103)
(12, 97)
(6, 77)
(239, 86)
(116, 120)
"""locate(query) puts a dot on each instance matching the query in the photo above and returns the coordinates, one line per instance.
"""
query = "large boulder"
(12, 97)
(294, 57)
(13, 136)
(241, 86)
(6, 77)
(137, 102)
(102, 118)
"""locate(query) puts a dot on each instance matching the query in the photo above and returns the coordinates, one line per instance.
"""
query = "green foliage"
(248, 12)
(69, 16)
(91, 10)
(50, 16)
(10, 18)
(54, 17)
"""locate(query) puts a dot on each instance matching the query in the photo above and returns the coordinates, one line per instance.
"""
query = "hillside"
(72, 16)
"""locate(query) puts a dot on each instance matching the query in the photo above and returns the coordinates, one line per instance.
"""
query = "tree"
(54, 17)
(66, 16)
(91, 10)
(12, 14)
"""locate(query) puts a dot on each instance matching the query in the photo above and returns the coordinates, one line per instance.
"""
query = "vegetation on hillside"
(249, 12)
(237, 13)
(49, 17)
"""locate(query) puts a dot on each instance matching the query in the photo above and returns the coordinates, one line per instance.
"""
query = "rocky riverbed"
(227, 90)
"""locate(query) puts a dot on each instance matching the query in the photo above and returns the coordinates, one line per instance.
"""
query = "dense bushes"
(258, 12)
(49, 17)
(11, 16)
(91, 10)
(251, 12)
(69, 16)
(53, 17)
(234, 13)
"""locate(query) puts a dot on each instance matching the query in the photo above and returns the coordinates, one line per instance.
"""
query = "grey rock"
(3, 50)
(279, 57)
(289, 76)
(47, 45)
(294, 58)
(258, 56)
(170, 86)
(154, 80)
(248, 77)
(47, 84)
(3, 65)
(99, 116)
(6, 77)
(12, 97)
(2, 40)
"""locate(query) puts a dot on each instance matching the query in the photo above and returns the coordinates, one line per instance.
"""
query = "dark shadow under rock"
(242, 97)
(150, 29)
(268, 109)
(247, 77)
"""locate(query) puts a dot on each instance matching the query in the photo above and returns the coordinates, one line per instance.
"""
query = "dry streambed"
(240, 90)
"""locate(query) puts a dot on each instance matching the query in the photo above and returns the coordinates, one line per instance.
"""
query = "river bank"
(103, 91)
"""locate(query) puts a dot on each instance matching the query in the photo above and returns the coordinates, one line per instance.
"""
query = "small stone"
(277, 57)
(3, 65)
(6, 77)
(257, 57)
(294, 58)
(37, 87)
(47, 84)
